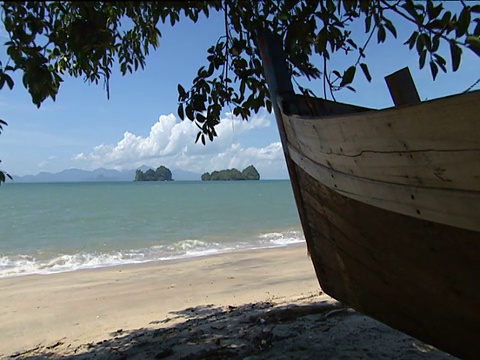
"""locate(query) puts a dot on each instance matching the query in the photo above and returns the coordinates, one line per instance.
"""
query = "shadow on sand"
(321, 330)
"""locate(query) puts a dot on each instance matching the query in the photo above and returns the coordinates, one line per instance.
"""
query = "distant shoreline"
(13, 182)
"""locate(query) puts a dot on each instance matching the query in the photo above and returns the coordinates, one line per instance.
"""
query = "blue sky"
(139, 126)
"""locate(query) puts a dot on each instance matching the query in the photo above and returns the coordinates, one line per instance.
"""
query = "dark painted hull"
(414, 275)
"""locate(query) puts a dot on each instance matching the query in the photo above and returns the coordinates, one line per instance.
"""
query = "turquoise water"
(47, 228)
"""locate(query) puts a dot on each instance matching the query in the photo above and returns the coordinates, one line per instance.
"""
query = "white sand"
(166, 303)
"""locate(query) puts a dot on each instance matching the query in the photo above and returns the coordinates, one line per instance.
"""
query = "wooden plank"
(434, 144)
(310, 106)
(402, 88)
(414, 275)
(451, 207)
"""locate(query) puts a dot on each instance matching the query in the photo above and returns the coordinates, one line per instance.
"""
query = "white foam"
(24, 265)
(282, 239)
(17, 265)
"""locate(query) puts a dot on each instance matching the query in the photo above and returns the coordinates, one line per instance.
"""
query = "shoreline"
(76, 314)
(53, 268)
(44, 308)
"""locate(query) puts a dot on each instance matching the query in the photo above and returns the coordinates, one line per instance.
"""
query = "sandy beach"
(258, 304)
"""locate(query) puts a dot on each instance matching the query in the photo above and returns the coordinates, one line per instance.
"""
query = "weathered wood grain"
(402, 88)
(445, 206)
(435, 144)
(414, 275)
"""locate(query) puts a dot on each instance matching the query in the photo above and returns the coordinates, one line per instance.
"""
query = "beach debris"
(333, 312)
(290, 313)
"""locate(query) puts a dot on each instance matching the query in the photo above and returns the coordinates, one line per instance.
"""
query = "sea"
(59, 227)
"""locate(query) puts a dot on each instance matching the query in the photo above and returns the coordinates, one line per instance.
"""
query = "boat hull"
(414, 275)
(389, 202)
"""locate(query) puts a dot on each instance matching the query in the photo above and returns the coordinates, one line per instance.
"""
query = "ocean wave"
(17, 265)
(282, 238)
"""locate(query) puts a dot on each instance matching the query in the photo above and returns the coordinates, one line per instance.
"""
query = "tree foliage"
(249, 173)
(161, 174)
(3, 175)
(48, 40)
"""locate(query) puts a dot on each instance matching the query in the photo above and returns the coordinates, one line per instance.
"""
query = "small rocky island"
(161, 174)
(249, 173)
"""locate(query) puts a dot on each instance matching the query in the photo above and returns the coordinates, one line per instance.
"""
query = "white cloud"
(171, 143)
(46, 163)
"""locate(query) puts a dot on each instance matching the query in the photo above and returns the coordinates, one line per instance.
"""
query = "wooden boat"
(390, 203)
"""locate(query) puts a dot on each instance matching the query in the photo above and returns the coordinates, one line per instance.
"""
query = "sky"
(139, 124)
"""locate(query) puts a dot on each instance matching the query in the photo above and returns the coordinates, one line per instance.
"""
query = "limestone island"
(249, 173)
(161, 174)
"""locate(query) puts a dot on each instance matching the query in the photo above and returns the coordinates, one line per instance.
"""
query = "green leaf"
(476, 32)
(364, 68)
(189, 112)
(475, 9)
(423, 56)
(435, 43)
(410, 8)
(348, 76)
(181, 92)
(381, 34)
(463, 22)
(201, 118)
(447, 16)
(429, 8)
(368, 23)
(474, 44)
(427, 42)
(433, 11)
(433, 69)
(331, 6)
(8, 80)
(352, 43)
(420, 43)
(411, 40)
(440, 60)
(456, 54)
(391, 28)
(436, 24)
(181, 114)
